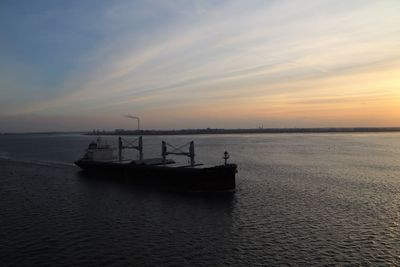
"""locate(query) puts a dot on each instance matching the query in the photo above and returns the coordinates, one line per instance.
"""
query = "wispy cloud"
(172, 54)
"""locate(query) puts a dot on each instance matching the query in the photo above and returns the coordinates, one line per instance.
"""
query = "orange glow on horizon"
(371, 98)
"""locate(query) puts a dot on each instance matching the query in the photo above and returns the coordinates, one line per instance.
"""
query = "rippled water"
(301, 199)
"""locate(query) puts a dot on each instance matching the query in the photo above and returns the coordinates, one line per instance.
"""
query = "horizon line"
(219, 130)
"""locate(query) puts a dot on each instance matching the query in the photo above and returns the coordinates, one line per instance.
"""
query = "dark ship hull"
(217, 178)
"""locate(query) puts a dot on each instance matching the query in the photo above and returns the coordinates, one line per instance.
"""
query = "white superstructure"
(98, 151)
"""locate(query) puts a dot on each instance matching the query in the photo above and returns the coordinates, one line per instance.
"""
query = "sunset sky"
(80, 65)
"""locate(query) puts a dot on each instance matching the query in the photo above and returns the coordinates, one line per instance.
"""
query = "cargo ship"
(99, 160)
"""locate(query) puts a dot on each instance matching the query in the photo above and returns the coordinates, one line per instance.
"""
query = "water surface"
(301, 199)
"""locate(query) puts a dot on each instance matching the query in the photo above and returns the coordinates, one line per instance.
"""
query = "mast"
(140, 148)
(164, 151)
(226, 157)
(191, 154)
(120, 147)
(178, 151)
(130, 145)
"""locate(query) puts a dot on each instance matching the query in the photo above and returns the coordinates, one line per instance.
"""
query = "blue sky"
(77, 65)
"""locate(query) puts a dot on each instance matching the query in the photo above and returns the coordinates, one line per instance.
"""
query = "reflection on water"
(300, 199)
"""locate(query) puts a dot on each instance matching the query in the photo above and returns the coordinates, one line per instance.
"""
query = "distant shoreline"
(227, 131)
(248, 131)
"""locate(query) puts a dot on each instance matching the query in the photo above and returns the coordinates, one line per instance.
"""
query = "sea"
(329, 199)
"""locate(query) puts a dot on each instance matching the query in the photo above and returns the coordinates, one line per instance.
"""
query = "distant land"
(222, 131)
(48, 133)
(246, 131)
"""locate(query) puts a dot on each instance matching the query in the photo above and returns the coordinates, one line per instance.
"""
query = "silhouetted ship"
(99, 159)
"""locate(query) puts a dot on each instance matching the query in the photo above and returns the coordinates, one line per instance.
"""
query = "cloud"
(161, 54)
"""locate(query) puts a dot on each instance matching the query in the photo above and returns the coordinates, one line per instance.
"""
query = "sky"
(81, 65)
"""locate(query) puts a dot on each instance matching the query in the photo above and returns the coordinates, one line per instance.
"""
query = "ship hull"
(217, 178)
